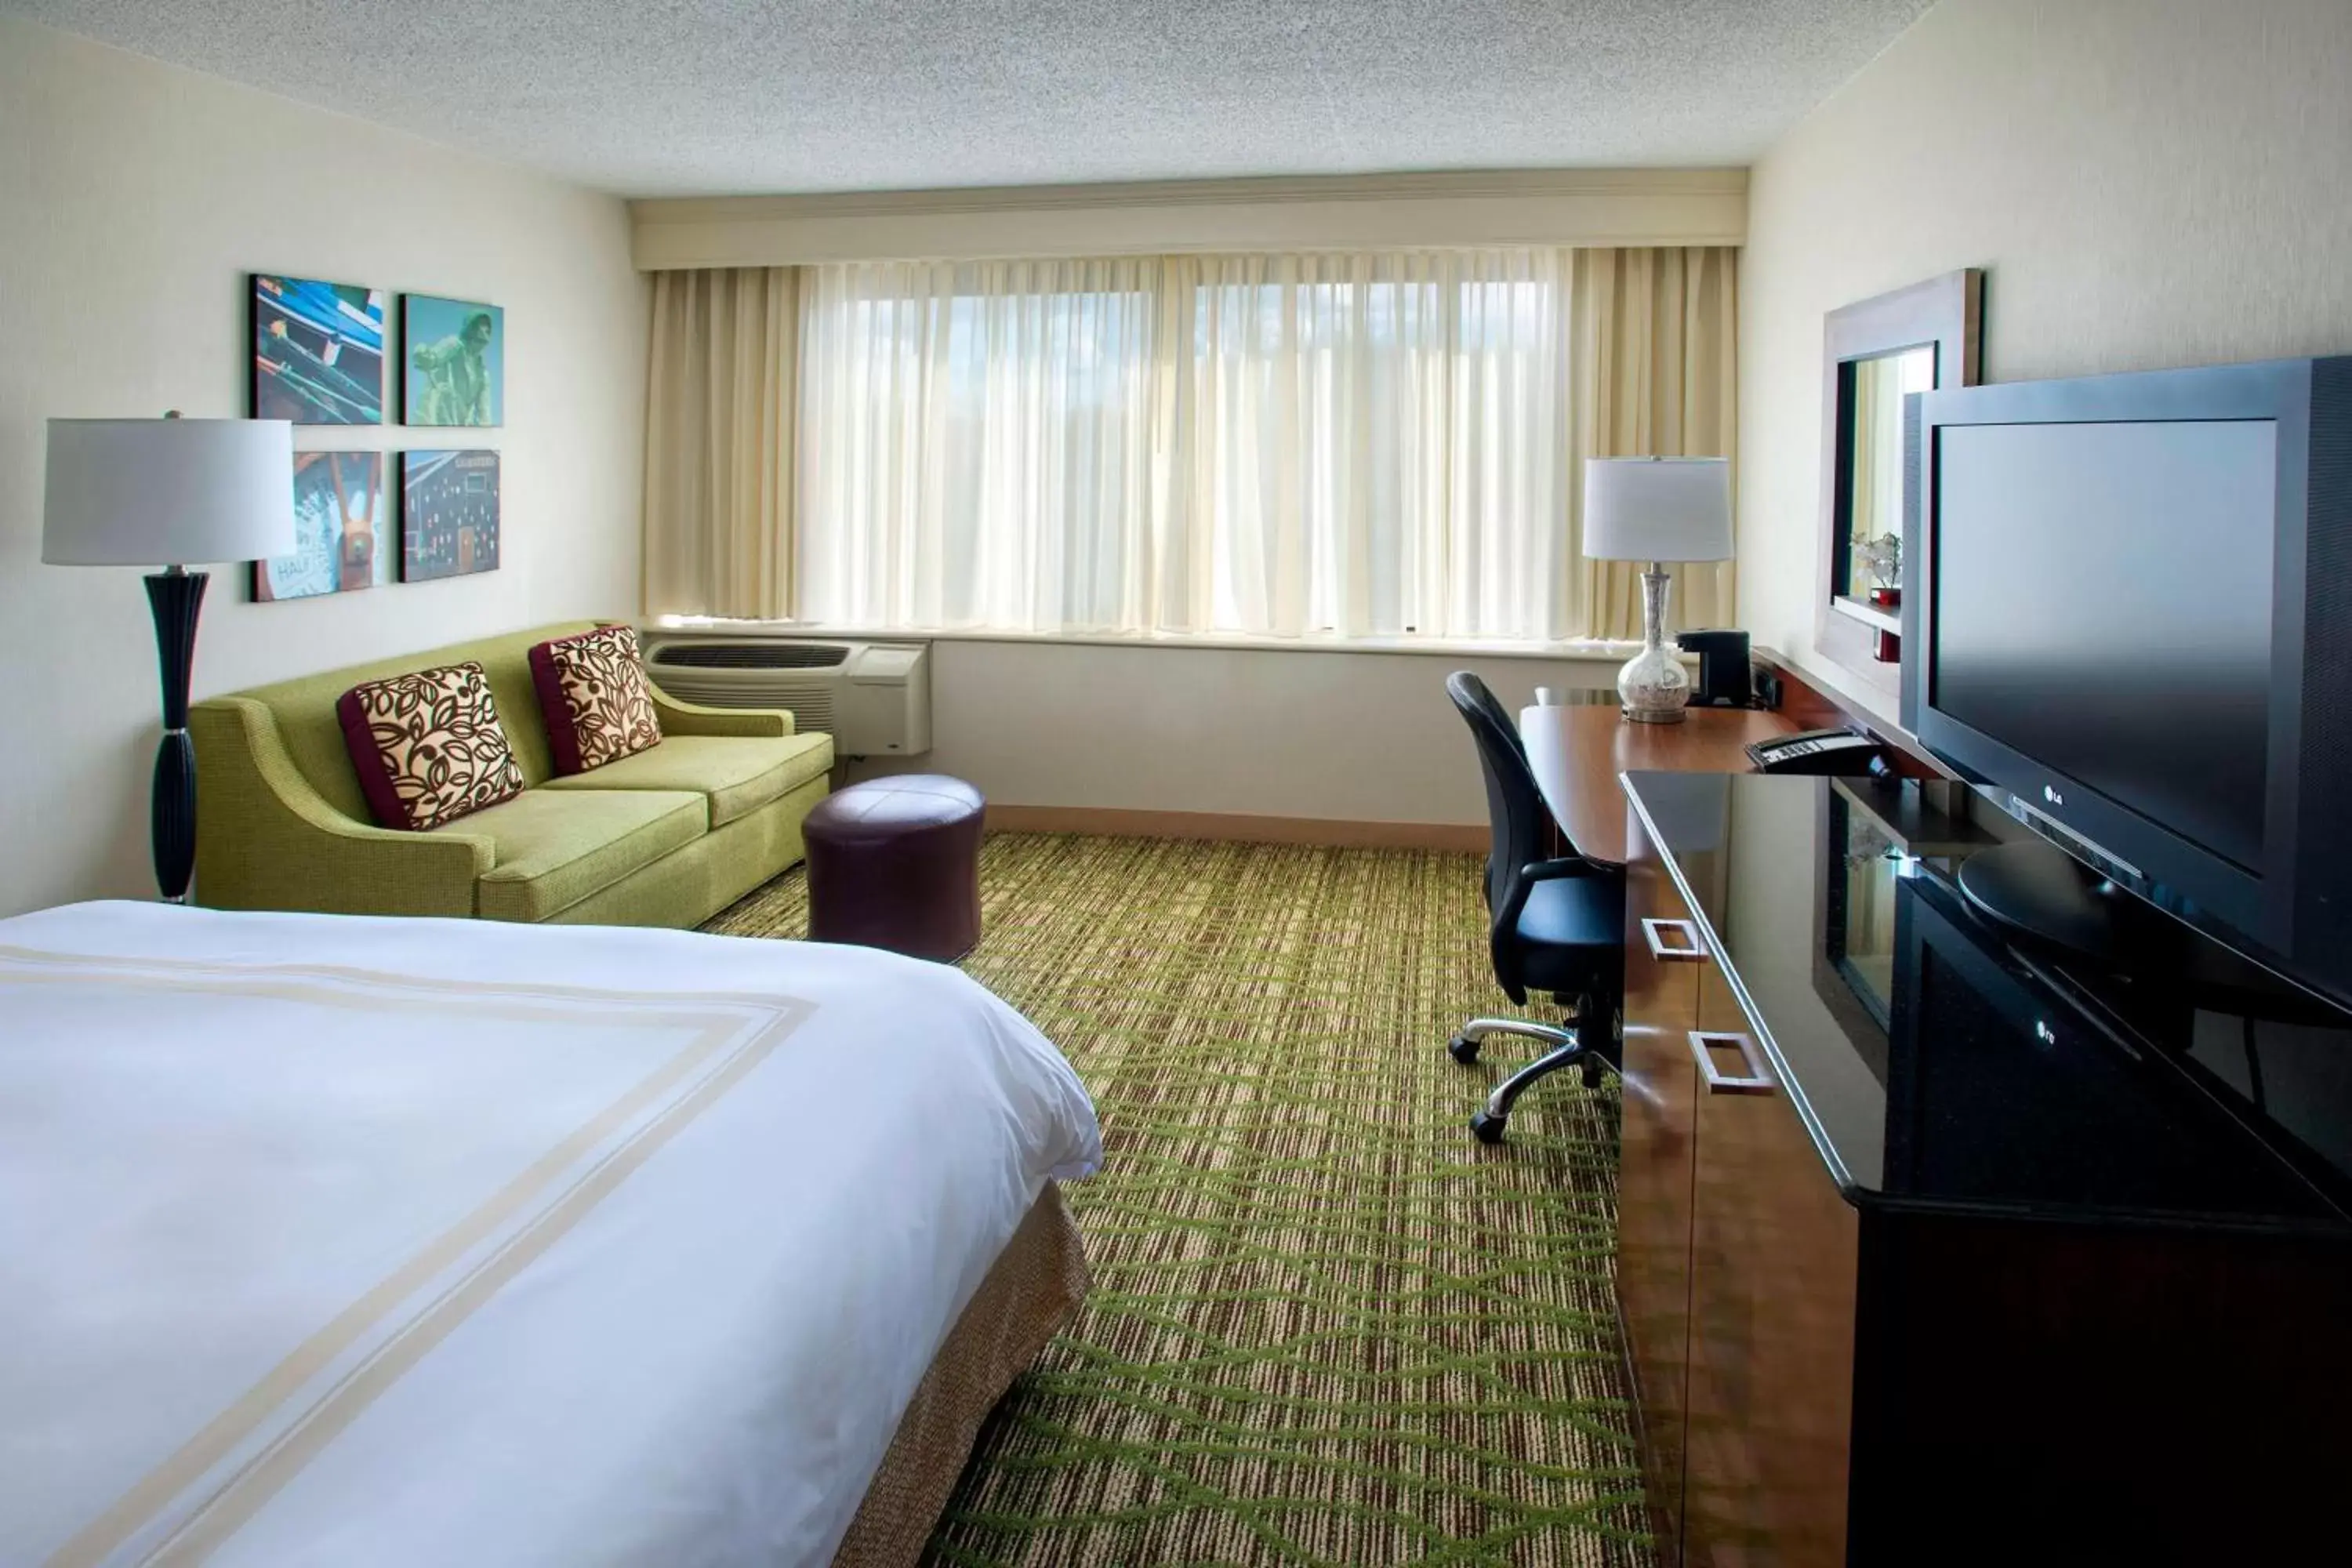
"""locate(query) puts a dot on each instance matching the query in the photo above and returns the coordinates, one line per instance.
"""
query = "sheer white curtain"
(1350, 444)
(980, 443)
(1378, 445)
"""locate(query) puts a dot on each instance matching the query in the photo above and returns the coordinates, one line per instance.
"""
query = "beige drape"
(1652, 354)
(721, 433)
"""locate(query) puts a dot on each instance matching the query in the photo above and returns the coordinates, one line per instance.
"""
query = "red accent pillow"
(593, 694)
(428, 746)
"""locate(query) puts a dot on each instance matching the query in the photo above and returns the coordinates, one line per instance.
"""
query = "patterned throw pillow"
(428, 746)
(593, 694)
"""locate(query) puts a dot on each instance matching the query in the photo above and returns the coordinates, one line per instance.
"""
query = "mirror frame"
(1945, 312)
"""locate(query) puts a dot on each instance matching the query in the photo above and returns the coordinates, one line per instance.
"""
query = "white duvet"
(347, 1241)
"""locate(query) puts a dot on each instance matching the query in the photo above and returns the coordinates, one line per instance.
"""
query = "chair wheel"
(1463, 1049)
(1489, 1128)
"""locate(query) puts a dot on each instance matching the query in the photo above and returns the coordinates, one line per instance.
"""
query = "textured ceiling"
(698, 97)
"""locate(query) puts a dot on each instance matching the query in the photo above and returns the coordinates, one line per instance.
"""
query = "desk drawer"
(1659, 1094)
(1774, 1253)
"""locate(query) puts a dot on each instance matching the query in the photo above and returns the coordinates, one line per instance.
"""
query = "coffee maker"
(1723, 675)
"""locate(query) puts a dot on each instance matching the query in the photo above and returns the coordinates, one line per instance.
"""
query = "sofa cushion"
(591, 692)
(556, 848)
(427, 746)
(302, 710)
(737, 774)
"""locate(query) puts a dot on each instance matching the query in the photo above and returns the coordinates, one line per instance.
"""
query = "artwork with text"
(342, 529)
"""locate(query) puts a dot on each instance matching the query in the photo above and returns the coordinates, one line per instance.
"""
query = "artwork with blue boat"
(317, 351)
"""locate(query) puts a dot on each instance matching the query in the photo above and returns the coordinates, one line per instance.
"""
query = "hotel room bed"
(373, 1241)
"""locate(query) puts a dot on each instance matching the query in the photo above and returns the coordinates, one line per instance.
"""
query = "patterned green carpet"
(1329, 1327)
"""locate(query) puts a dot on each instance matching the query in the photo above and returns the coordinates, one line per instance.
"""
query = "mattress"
(351, 1241)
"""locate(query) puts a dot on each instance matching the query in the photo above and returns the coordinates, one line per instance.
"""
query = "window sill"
(1593, 649)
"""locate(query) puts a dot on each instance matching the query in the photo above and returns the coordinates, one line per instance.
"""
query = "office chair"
(1558, 925)
(1504, 725)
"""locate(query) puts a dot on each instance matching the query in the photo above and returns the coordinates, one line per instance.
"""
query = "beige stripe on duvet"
(731, 1035)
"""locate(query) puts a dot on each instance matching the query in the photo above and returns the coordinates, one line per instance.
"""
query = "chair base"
(1567, 1047)
(1463, 1045)
(1489, 1124)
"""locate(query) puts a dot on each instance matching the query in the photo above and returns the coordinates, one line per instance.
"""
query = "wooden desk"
(1577, 752)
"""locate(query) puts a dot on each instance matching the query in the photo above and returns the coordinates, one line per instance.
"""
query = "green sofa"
(668, 836)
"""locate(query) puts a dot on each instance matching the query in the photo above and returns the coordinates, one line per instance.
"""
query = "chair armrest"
(693, 718)
(1554, 871)
(267, 840)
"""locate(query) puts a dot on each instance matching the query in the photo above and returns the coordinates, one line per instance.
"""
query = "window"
(1348, 445)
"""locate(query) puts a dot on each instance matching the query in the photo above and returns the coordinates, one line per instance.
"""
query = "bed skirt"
(1035, 1283)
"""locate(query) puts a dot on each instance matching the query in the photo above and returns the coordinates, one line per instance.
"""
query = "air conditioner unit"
(873, 698)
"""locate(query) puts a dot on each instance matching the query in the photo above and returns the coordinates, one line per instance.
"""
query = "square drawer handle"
(1688, 949)
(1755, 1082)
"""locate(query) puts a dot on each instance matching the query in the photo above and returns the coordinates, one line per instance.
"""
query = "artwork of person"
(455, 352)
(456, 388)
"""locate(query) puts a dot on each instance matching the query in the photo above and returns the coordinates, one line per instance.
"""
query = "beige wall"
(2148, 182)
(1340, 737)
(133, 199)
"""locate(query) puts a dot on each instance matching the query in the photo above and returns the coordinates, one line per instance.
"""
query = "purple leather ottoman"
(895, 863)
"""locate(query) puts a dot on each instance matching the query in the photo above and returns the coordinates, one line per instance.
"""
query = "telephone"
(1843, 752)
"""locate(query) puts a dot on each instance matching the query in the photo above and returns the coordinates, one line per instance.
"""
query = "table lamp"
(163, 492)
(1657, 509)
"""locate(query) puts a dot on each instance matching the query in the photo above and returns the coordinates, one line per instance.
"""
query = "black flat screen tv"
(2128, 606)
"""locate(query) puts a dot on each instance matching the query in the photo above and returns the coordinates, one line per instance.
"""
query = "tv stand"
(1910, 1216)
(2039, 892)
(2035, 891)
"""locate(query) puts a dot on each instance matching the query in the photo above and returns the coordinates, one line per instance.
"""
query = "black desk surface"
(1936, 1063)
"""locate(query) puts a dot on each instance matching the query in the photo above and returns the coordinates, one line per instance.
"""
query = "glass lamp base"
(1653, 687)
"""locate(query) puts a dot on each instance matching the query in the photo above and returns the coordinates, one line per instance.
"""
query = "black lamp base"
(175, 596)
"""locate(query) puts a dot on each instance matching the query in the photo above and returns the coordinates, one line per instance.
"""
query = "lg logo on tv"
(2052, 796)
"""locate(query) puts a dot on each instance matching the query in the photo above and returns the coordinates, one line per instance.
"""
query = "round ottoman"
(895, 863)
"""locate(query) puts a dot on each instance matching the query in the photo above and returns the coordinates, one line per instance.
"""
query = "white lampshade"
(1657, 508)
(168, 493)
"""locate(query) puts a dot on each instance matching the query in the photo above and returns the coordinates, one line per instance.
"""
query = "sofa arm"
(693, 718)
(267, 840)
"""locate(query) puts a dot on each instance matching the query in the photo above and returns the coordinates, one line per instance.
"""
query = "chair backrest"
(1516, 813)
(1492, 706)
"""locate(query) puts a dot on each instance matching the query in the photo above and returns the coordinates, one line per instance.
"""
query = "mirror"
(1879, 352)
(1873, 477)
